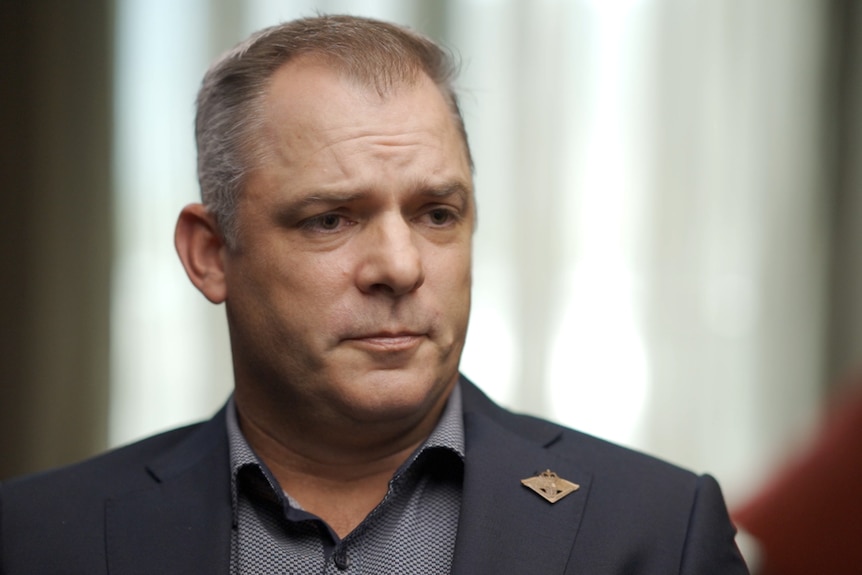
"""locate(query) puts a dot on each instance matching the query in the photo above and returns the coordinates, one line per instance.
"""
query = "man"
(336, 227)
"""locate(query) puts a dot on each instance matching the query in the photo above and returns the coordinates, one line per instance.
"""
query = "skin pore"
(348, 292)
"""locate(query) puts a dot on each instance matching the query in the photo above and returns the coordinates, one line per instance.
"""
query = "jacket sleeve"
(710, 546)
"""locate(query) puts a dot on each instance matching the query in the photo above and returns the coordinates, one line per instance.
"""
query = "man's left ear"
(200, 247)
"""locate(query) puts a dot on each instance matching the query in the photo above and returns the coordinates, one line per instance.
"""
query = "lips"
(391, 341)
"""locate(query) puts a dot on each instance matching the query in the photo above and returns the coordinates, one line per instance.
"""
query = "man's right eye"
(329, 222)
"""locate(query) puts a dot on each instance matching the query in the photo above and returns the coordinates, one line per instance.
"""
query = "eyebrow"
(294, 209)
(327, 198)
(446, 190)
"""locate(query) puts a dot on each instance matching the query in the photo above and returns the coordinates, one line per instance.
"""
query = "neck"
(324, 457)
(339, 473)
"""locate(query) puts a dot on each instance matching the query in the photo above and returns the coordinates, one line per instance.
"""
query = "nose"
(390, 260)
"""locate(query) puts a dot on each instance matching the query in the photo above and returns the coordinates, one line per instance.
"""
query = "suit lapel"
(505, 527)
(182, 524)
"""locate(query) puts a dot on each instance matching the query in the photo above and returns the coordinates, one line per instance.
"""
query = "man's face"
(349, 290)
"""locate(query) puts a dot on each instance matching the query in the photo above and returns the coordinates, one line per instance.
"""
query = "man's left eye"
(329, 221)
(440, 216)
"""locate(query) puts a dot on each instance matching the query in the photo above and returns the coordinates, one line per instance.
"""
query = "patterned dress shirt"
(412, 530)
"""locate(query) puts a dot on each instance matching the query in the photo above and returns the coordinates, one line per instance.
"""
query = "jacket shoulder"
(597, 455)
(120, 468)
(637, 509)
(54, 521)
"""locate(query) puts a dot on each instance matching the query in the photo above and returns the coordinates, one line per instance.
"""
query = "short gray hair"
(229, 116)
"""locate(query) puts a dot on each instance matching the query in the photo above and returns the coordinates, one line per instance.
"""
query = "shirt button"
(341, 559)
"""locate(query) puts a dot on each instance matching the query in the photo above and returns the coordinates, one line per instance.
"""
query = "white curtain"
(650, 258)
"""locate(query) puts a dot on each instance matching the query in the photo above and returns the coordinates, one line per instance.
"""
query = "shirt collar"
(448, 434)
(449, 431)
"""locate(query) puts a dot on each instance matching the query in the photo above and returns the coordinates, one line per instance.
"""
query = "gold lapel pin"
(550, 486)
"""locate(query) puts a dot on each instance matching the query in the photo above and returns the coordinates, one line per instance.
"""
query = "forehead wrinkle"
(372, 146)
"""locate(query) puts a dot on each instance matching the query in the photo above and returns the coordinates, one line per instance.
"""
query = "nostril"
(390, 259)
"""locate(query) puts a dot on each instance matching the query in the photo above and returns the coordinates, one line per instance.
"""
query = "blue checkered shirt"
(411, 531)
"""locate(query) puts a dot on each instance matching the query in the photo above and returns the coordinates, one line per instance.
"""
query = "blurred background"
(668, 253)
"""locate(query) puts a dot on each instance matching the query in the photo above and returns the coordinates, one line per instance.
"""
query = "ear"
(201, 248)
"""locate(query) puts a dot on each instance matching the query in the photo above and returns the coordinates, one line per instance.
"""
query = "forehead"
(325, 135)
(309, 95)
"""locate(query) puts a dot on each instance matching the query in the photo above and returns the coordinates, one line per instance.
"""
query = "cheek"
(319, 275)
(459, 270)
(451, 280)
(317, 287)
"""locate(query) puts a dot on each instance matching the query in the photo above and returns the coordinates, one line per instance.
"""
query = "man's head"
(347, 277)
(373, 53)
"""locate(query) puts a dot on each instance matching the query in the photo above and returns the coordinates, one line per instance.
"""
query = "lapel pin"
(550, 486)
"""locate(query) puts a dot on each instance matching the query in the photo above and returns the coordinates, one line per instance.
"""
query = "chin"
(394, 394)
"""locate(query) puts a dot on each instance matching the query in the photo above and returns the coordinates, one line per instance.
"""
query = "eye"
(329, 222)
(440, 216)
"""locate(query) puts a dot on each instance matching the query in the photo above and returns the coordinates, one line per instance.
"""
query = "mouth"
(388, 341)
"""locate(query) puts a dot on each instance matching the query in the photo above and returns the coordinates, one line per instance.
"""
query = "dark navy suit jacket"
(162, 506)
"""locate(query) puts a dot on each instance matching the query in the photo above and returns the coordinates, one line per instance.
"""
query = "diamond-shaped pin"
(550, 486)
